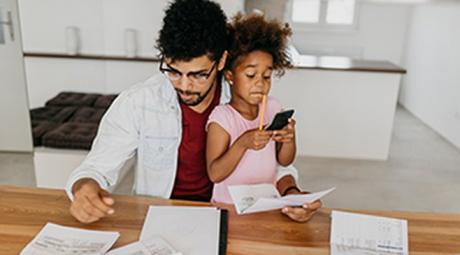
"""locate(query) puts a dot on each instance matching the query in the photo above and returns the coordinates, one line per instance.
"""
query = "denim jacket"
(145, 122)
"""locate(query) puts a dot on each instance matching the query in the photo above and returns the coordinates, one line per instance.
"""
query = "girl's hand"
(255, 139)
(287, 134)
(304, 213)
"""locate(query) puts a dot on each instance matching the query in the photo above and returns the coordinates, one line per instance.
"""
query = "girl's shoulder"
(223, 109)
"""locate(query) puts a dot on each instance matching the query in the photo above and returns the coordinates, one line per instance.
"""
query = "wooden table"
(24, 211)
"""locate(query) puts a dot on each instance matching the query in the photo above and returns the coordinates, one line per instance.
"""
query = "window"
(323, 14)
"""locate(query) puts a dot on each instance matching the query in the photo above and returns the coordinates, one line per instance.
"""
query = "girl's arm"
(222, 159)
(285, 144)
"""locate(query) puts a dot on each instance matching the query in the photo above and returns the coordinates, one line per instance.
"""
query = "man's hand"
(304, 213)
(90, 202)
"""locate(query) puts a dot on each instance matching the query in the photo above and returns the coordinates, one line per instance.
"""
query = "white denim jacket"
(144, 121)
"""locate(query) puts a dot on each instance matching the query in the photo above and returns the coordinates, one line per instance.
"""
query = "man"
(162, 121)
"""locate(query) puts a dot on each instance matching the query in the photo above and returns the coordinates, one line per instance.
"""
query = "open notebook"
(191, 230)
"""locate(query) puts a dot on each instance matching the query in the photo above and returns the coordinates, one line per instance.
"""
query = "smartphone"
(281, 120)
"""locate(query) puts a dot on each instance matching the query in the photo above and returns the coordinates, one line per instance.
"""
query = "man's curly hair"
(193, 28)
(254, 32)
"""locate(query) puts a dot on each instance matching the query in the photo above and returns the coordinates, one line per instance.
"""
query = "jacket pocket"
(159, 153)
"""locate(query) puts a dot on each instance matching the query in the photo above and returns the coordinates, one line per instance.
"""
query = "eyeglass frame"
(188, 75)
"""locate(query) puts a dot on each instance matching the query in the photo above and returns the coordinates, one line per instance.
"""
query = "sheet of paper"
(190, 230)
(152, 246)
(373, 233)
(54, 239)
(245, 196)
(136, 248)
(265, 197)
(265, 204)
(347, 250)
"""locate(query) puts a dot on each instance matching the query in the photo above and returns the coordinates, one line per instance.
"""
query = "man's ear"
(229, 76)
(222, 61)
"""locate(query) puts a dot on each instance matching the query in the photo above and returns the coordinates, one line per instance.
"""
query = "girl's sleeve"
(220, 115)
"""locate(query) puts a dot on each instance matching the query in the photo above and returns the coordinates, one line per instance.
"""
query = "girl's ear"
(222, 61)
(229, 76)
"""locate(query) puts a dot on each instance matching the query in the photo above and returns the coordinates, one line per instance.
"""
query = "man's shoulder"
(154, 84)
(153, 90)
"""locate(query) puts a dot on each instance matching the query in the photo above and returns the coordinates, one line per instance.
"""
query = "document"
(152, 246)
(189, 229)
(265, 197)
(54, 239)
(367, 234)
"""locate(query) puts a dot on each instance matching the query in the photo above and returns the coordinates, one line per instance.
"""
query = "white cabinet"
(44, 25)
(15, 134)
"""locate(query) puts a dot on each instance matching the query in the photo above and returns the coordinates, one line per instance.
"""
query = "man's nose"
(184, 83)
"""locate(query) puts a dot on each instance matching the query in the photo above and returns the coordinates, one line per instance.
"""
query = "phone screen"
(281, 120)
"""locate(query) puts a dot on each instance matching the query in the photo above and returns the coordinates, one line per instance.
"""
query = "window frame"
(322, 25)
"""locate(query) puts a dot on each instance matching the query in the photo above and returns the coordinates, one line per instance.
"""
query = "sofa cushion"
(52, 114)
(104, 101)
(72, 99)
(88, 114)
(71, 135)
(40, 128)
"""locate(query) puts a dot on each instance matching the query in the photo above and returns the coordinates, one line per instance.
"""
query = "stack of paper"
(56, 240)
(265, 197)
(59, 240)
(152, 246)
(353, 233)
(192, 230)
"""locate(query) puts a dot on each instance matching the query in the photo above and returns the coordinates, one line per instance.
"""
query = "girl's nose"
(260, 82)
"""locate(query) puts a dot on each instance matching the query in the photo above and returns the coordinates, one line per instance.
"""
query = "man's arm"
(115, 143)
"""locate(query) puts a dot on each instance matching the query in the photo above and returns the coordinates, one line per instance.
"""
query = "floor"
(421, 174)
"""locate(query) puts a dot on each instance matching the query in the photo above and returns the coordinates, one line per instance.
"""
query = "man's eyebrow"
(172, 68)
(199, 71)
(193, 72)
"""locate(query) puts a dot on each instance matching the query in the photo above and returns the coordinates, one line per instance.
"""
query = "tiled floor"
(422, 173)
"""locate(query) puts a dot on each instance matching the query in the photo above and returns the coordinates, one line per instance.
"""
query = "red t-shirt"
(192, 181)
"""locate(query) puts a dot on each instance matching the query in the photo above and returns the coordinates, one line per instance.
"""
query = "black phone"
(281, 120)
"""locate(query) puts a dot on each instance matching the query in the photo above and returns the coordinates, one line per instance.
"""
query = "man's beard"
(195, 102)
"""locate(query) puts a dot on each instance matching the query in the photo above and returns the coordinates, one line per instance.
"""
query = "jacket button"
(160, 149)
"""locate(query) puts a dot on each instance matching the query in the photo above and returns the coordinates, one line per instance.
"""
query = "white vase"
(72, 40)
(130, 42)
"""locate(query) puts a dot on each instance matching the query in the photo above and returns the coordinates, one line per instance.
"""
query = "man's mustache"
(187, 92)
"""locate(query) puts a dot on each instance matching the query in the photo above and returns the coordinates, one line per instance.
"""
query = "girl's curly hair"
(254, 32)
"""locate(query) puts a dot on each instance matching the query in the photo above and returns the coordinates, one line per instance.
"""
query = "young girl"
(238, 152)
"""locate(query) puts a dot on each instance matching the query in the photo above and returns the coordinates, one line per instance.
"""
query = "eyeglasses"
(199, 77)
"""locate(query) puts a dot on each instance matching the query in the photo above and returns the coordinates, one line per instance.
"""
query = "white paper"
(136, 248)
(265, 197)
(153, 246)
(190, 230)
(54, 239)
(347, 250)
(373, 233)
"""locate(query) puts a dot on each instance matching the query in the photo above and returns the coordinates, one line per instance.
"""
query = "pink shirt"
(255, 166)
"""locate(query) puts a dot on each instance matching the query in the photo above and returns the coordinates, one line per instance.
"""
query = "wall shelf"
(89, 57)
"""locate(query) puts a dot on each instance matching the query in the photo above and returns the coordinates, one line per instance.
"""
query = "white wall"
(380, 34)
(101, 25)
(46, 77)
(431, 88)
